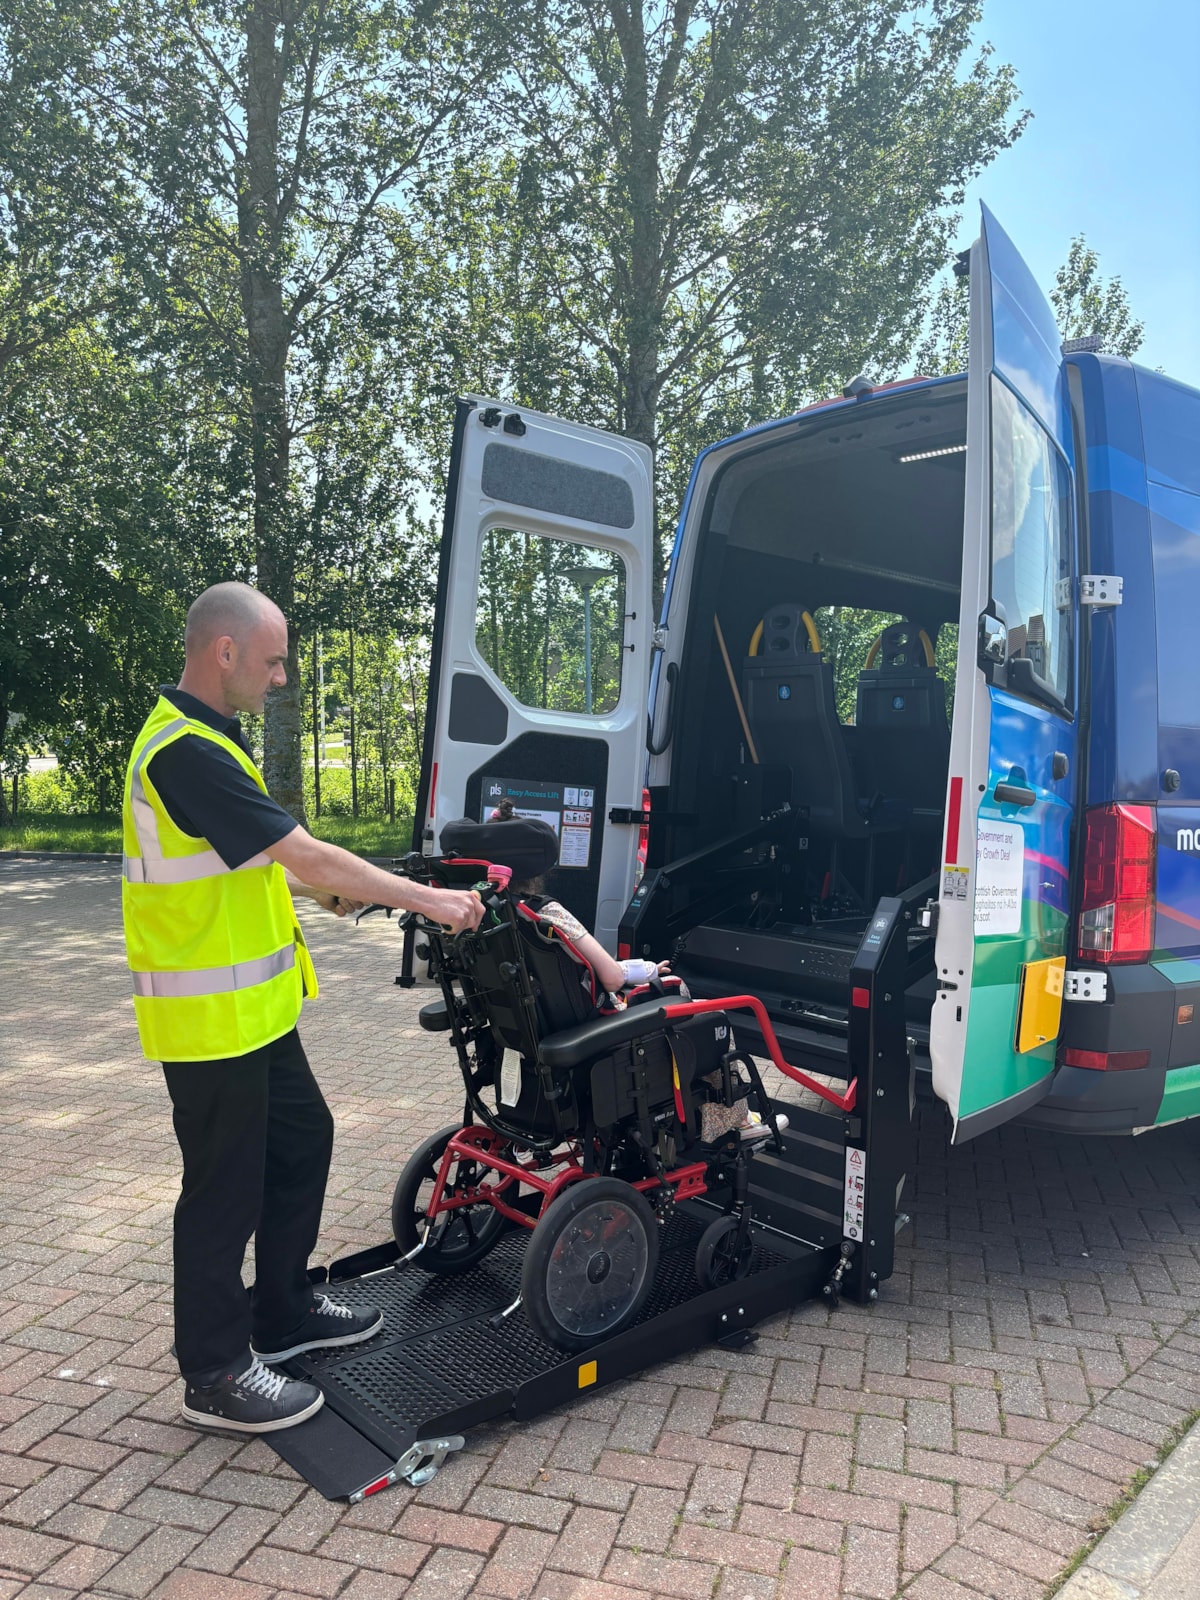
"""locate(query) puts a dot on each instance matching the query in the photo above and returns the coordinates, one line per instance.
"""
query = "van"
(930, 640)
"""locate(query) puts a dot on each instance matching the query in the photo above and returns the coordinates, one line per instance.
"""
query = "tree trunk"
(353, 738)
(641, 377)
(260, 233)
(316, 723)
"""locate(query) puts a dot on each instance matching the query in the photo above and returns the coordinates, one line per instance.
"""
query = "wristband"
(639, 971)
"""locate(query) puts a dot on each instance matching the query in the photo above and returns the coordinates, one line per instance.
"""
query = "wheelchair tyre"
(589, 1266)
(720, 1259)
(458, 1240)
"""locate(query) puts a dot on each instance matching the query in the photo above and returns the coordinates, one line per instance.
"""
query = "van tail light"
(643, 837)
(1116, 920)
(624, 951)
(1107, 1060)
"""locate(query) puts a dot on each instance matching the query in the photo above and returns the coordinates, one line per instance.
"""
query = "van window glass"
(945, 659)
(550, 620)
(847, 635)
(1031, 539)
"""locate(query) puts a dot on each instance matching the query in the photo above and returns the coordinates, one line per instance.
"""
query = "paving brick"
(926, 1535)
(188, 1585)
(81, 1569)
(516, 1565)
(358, 1547)
(654, 1470)
(585, 1543)
(447, 1575)
(25, 1552)
(809, 1575)
(287, 1569)
(426, 1525)
(232, 1540)
(650, 1521)
(720, 1547)
(149, 1562)
(661, 1575)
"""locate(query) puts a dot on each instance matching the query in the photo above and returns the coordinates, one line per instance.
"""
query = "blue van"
(929, 640)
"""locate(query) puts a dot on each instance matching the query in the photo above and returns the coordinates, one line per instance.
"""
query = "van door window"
(1031, 542)
(550, 620)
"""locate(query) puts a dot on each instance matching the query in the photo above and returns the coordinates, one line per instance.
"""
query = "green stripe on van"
(1181, 1097)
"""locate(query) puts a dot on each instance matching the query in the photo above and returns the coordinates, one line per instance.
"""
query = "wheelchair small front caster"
(724, 1253)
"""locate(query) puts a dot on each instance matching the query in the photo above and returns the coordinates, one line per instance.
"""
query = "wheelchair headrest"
(526, 844)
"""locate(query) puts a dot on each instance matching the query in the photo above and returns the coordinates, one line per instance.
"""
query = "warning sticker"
(577, 819)
(954, 883)
(999, 871)
(576, 847)
(856, 1192)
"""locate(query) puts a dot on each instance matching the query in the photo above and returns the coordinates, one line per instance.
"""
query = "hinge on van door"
(1085, 985)
(658, 638)
(1100, 589)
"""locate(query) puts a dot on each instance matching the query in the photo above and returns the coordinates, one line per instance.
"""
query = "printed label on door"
(999, 870)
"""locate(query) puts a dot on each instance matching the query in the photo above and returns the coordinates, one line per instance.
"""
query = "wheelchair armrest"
(435, 1017)
(573, 1046)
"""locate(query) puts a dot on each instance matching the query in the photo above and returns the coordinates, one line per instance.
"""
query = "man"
(220, 969)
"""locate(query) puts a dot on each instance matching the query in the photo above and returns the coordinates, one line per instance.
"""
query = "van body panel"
(552, 488)
(1122, 747)
(1005, 898)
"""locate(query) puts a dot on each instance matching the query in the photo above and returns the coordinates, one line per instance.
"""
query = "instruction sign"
(856, 1192)
(568, 808)
(999, 873)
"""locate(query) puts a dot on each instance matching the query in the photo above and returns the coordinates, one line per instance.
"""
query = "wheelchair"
(583, 1127)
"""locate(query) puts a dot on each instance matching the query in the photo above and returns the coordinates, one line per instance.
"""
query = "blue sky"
(1113, 152)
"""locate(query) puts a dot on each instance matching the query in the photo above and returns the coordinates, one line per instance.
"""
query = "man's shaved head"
(232, 609)
(236, 648)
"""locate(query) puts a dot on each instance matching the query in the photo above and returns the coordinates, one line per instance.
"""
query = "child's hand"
(664, 969)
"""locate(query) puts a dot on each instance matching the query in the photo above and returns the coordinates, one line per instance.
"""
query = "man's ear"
(226, 649)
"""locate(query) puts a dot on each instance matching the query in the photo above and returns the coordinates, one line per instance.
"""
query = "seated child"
(529, 847)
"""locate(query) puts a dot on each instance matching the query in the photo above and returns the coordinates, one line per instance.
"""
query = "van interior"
(828, 563)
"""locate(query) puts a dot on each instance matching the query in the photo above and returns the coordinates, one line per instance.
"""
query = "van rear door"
(1002, 925)
(541, 642)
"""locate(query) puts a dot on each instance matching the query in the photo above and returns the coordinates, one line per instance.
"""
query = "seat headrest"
(787, 632)
(902, 647)
(526, 844)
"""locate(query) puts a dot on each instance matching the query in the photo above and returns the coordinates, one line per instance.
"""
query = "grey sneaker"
(326, 1326)
(255, 1401)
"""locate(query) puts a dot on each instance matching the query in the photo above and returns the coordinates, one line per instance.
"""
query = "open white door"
(539, 676)
(1004, 907)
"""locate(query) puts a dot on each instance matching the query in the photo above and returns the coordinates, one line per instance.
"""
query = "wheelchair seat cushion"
(572, 1047)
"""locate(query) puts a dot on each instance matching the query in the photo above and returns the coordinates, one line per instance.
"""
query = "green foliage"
(1085, 303)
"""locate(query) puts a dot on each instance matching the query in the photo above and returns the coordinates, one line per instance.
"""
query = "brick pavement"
(1037, 1344)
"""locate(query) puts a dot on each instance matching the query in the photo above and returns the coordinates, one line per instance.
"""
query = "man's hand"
(336, 903)
(455, 909)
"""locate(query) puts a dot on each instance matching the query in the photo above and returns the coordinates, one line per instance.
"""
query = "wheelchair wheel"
(458, 1239)
(720, 1259)
(590, 1263)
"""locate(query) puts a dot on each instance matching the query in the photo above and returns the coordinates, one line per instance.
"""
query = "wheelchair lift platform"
(447, 1360)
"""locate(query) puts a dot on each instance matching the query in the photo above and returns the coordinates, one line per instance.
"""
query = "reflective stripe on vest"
(184, 869)
(213, 980)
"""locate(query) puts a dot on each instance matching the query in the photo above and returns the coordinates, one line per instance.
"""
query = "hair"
(505, 812)
(225, 608)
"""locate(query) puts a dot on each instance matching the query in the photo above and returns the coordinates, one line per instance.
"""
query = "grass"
(52, 831)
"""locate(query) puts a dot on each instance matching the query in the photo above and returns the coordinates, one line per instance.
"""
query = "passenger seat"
(788, 693)
(902, 730)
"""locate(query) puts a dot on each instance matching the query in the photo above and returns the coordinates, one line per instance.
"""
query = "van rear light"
(1116, 919)
(1107, 1060)
(643, 838)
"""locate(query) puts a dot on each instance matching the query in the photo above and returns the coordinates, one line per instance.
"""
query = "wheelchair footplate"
(457, 1350)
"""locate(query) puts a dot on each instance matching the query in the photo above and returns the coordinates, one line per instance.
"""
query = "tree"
(1085, 303)
(266, 136)
(747, 198)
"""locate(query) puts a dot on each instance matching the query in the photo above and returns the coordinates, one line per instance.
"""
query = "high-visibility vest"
(219, 963)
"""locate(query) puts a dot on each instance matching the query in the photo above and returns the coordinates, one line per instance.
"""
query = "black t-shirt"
(208, 795)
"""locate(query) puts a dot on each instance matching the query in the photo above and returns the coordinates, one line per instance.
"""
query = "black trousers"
(256, 1137)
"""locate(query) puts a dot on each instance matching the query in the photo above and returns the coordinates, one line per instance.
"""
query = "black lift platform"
(449, 1358)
